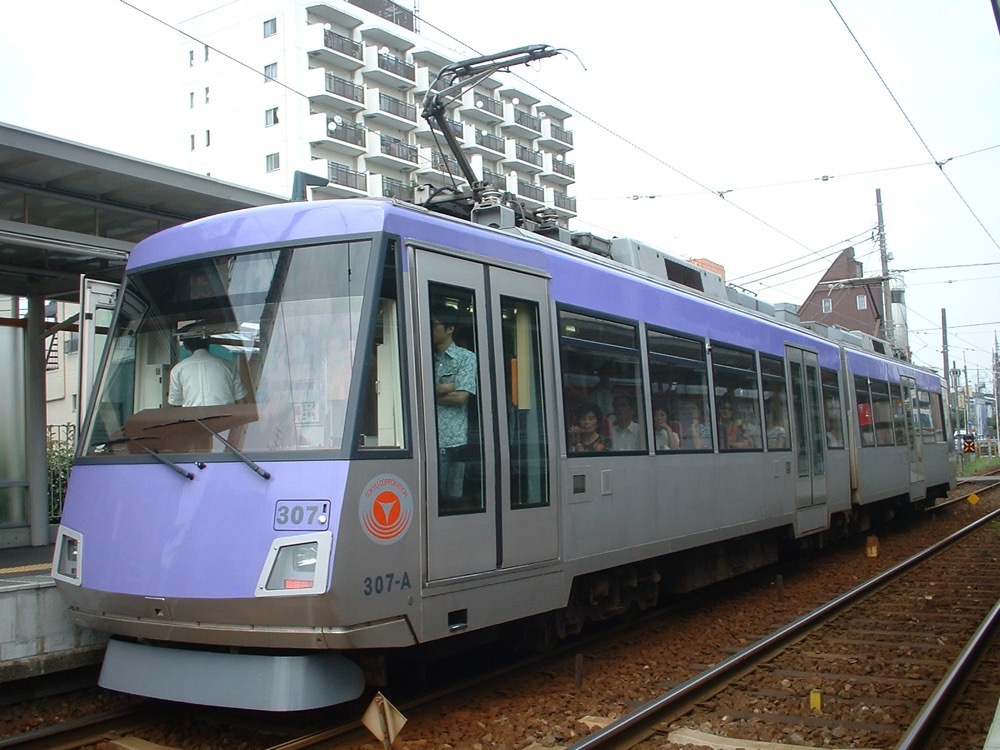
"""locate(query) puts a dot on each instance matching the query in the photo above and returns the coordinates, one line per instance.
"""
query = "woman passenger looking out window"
(664, 435)
(583, 436)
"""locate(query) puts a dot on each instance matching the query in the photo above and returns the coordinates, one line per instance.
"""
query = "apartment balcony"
(391, 153)
(438, 169)
(522, 159)
(556, 169)
(332, 91)
(489, 177)
(388, 70)
(389, 187)
(481, 107)
(530, 195)
(519, 123)
(344, 183)
(564, 205)
(330, 14)
(424, 81)
(480, 142)
(333, 49)
(343, 137)
(391, 112)
(426, 131)
(386, 36)
(555, 138)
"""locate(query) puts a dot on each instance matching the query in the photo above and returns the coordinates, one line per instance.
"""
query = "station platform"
(38, 635)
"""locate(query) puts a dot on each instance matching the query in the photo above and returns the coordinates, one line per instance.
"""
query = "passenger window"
(678, 379)
(456, 388)
(882, 412)
(831, 409)
(772, 376)
(866, 421)
(737, 399)
(602, 385)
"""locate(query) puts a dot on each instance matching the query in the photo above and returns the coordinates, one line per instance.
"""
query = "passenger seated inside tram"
(626, 433)
(733, 434)
(583, 436)
(665, 437)
(697, 435)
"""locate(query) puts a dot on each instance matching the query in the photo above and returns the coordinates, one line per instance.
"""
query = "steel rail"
(631, 725)
(926, 722)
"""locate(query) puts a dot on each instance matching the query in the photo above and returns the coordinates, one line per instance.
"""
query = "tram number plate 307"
(302, 515)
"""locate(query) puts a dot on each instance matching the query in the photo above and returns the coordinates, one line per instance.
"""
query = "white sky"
(677, 100)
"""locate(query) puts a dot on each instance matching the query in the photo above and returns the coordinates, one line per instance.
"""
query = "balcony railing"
(396, 107)
(527, 120)
(395, 147)
(486, 104)
(534, 192)
(346, 132)
(523, 153)
(344, 88)
(397, 66)
(566, 136)
(443, 163)
(564, 201)
(493, 178)
(392, 188)
(490, 141)
(453, 125)
(338, 43)
(566, 170)
(341, 175)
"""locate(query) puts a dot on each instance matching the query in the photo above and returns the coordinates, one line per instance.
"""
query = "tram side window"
(772, 376)
(831, 409)
(882, 413)
(899, 414)
(865, 419)
(737, 399)
(678, 379)
(602, 385)
(930, 416)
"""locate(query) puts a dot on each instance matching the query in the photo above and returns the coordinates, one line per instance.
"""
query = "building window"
(190, 58)
(208, 137)
(270, 27)
(270, 71)
(206, 53)
(862, 302)
(270, 117)
(827, 305)
(191, 100)
(206, 95)
(192, 141)
(273, 162)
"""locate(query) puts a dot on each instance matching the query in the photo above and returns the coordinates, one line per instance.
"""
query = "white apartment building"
(334, 88)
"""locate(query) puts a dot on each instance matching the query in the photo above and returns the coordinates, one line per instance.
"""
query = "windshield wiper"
(154, 453)
(236, 451)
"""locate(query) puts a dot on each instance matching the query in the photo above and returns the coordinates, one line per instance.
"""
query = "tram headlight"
(294, 568)
(297, 565)
(66, 563)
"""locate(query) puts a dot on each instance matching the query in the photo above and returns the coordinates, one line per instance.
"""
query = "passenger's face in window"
(623, 410)
(588, 421)
(660, 415)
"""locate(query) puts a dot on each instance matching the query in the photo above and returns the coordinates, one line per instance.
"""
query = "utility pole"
(890, 334)
(947, 372)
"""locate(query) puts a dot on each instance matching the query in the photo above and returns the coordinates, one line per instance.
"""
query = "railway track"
(856, 672)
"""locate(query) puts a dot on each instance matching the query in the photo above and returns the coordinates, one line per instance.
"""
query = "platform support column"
(34, 359)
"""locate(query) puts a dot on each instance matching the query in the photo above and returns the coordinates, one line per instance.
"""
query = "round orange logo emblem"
(386, 509)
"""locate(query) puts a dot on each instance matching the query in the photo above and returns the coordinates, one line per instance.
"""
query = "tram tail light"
(66, 563)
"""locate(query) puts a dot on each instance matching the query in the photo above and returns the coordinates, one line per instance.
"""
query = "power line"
(940, 164)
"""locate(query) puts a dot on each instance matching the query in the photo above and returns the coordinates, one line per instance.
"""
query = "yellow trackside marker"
(973, 498)
(816, 700)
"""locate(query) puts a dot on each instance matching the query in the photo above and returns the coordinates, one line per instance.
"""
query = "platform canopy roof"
(67, 210)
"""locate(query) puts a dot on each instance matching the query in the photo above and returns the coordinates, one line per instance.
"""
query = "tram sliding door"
(485, 366)
(911, 410)
(809, 432)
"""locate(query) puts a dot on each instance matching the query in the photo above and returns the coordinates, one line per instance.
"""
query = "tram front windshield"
(273, 337)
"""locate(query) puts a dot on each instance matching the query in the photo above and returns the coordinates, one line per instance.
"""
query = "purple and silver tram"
(240, 554)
